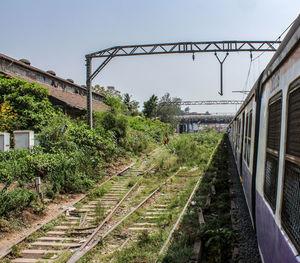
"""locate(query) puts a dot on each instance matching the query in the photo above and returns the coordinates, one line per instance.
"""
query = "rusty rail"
(188, 202)
(94, 239)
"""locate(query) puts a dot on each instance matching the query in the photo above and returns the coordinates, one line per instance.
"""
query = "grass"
(145, 246)
(97, 192)
(216, 234)
(48, 256)
(165, 162)
(99, 213)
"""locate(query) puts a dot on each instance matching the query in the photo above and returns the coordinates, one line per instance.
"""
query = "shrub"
(14, 201)
(70, 157)
(28, 101)
(14, 166)
(194, 149)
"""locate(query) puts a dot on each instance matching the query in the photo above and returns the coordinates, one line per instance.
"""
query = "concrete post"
(38, 183)
(4, 141)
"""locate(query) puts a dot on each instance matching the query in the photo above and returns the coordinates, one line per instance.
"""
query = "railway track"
(101, 233)
(74, 228)
(156, 211)
(79, 223)
(128, 205)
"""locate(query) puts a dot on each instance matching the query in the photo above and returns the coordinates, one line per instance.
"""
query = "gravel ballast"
(247, 248)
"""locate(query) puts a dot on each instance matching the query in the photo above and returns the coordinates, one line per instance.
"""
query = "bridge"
(194, 122)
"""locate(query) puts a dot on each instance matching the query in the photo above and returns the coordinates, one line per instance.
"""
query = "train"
(265, 139)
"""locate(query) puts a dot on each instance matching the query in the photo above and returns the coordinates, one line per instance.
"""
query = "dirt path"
(9, 239)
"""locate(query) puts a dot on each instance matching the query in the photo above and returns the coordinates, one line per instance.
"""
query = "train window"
(290, 211)
(245, 137)
(272, 152)
(238, 136)
(248, 138)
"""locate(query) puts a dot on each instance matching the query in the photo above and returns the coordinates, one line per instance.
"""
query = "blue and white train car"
(265, 139)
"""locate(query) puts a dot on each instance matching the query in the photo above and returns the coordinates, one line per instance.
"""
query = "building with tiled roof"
(64, 93)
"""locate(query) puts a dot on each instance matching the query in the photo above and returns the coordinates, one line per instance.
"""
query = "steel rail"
(61, 212)
(188, 201)
(81, 251)
(92, 242)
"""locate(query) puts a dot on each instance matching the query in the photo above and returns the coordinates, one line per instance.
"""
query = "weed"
(98, 192)
(48, 256)
(15, 251)
(99, 213)
(143, 238)
(131, 183)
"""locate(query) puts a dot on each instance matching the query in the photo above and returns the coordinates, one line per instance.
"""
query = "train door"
(242, 143)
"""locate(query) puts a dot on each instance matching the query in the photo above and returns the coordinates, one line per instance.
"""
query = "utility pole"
(89, 92)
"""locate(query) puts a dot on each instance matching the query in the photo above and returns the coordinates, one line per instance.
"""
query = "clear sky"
(56, 35)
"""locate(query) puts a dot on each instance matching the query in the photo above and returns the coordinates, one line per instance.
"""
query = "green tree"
(99, 89)
(187, 110)
(150, 107)
(28, 101)
(132, 105)
(168, 108)
(111, 90)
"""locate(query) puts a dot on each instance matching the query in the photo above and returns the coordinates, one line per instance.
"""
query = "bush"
(14, 166)
(28, 101)
(194, 149)
(14, 201)
(70, 157)
(116, 123)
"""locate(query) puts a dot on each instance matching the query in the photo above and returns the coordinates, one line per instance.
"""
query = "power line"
(278, 38)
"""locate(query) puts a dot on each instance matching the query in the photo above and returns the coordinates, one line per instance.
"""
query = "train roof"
(286, 47)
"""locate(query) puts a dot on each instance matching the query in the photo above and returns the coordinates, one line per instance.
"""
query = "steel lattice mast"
(169, 48)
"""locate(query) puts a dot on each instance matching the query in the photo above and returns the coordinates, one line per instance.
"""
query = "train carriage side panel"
(246, 155)
(274, 175)
(274, 242)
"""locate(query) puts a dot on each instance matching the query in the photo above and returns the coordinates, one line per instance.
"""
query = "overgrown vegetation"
(194, 149)
(184, 152)
(216, 234)
(70, 158)
(24, 105)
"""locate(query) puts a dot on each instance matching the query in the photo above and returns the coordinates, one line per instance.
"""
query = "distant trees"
(98, 88)
(166, 109)
(187, 110)
(132, 105)
(150, 107)
(110, 90)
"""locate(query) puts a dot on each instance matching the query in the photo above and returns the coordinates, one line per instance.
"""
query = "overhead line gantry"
(209, 102)
(170, 48)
